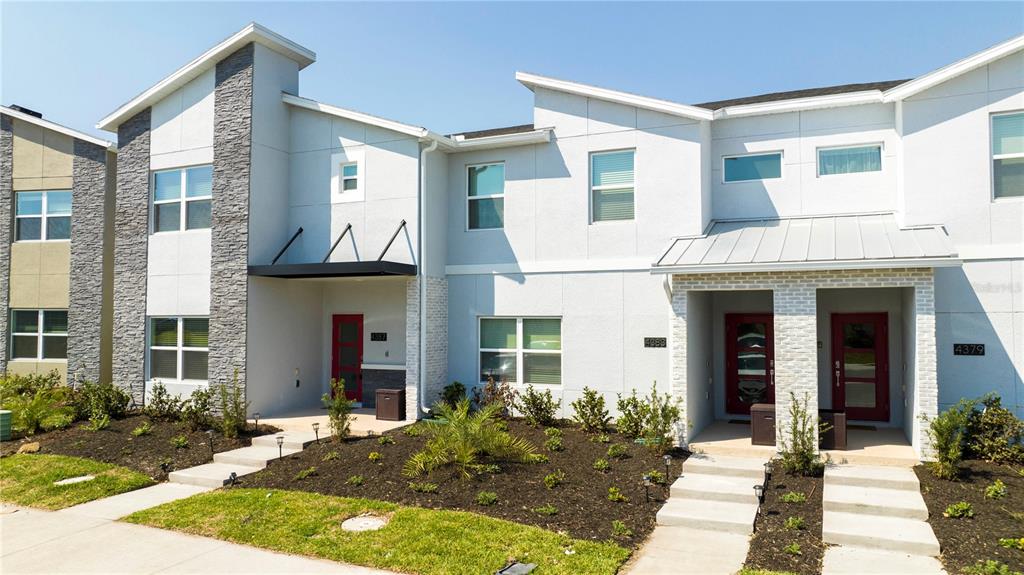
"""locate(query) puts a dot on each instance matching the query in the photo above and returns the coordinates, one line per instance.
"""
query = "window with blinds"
(849, 160)
(179, 348)
(485, 197)
(510, 346)
(174, 210)
(1008, 155)
(612, 185)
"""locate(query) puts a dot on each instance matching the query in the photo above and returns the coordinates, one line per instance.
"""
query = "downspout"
(421, 278)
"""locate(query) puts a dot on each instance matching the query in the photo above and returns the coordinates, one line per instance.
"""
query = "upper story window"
(849, 160)
(485, 196)
(612, 185)
(531, 346)
(182, 198)
(347, 177)
(43, 215)
(39, 334)
(752, 167)
(1008, 155)
(178, 348)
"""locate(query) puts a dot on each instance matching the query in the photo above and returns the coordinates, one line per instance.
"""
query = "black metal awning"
(333, 270)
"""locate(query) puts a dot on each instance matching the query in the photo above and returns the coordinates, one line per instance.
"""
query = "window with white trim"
(182, 199)
(39, 334)
(849, 159)
(349, 176)
(485, 196)
(1008, 155)
(612, 185)
(178, 348)
(521, 350)
(748, 167)
(42, 215)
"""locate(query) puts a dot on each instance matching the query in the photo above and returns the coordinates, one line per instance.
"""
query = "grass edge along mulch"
(416, 540)
(769, 550)
(28, 479)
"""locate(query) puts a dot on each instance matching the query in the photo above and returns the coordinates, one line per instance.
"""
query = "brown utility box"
(835, 437)
(762, 424)
(391, 404)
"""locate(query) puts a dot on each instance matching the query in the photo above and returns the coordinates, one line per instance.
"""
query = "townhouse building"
(56, 201)
(860, 245)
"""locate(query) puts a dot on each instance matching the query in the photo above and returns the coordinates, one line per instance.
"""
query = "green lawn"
(416, 540)
(28, 480)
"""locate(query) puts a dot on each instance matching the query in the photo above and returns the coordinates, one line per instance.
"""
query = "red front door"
(749, 361)
(347, 354)
(860, 365)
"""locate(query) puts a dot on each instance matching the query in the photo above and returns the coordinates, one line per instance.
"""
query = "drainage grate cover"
(71, 480)
(364, 523)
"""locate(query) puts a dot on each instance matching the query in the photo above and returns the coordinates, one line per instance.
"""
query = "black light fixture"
(767, 471)
(316, 431)
(209, 435)
(233, 477)
(668, 467)
(759, 493)
(165, 466)
(280, 446)
(256, 416)
(647, 488)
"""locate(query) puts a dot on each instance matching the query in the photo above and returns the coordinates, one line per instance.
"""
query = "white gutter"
(421, 277)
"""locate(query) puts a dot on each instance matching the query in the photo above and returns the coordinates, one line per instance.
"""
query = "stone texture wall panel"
(6, 227)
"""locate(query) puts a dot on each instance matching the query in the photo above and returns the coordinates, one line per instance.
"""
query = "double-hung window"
(612, 185)
(39, 334)
(178, 348)
(486, 196)
(752, 167)
(849, 160)
(1008, 155)
(182, 199)
(43, 215)
(521, 350)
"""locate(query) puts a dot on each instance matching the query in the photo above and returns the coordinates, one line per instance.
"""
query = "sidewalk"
(35, 541)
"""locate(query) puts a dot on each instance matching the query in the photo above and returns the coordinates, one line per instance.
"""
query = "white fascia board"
(953, 70)
(251, 33)
(407, 129)
(541, 136)
(809, 266)
(676, 109)
(800, 104)
(58, 128)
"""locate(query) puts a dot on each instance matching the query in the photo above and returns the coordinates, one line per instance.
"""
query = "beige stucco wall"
(42, 158)
(40, 275)
(30, 366)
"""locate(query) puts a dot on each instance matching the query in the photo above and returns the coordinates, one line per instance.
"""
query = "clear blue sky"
(450, 66)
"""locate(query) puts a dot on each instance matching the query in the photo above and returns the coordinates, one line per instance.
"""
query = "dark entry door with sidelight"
(749, 361)
(860, 365)
(347, 353)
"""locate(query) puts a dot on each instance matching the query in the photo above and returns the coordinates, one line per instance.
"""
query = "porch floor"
(364, 421)
(882, 446)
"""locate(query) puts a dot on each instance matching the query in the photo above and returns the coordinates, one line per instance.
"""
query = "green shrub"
(486, 498)
(1012, 543)
(793, 497)
(233, 408)
(602, 438)
(792, 549)
(589, 411)
(330, 456)
(490, 468)
(539, 408)
(602, 465)
(656, 477)
(619, 529)
(13, 384)
(145, 429)
(948, 436)
(960, 509)
(462, 439)
(553, 432)
(554, 479)
(546, 509)
(375, 456)
(161, 404)
(414, 430)
(39, 406)
(385, 440)
(339, 409)
(97, 422)
(179, 441)
(615, 494)
(632, 415)
(305, 473)
(196, 412)
(994, 433)
(617, 451)
(355, 480)
(554, 444)
(799, 453)
(794, 523)
(97, 399)
(996, 491)
(423, 487)
(493, 392)
(663, 416)
(537, 458)
(990, 567)
(453, 393)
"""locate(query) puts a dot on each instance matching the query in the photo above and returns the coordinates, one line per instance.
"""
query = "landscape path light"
(256, 416)
(668, 466)
(316, 431)
(209, 435)
(280, 446)
(647, 488)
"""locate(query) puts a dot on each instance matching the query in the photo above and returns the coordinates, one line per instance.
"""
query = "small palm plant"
(462, 439)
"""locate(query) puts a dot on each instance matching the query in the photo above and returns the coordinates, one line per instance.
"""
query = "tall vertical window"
(612, 185)
(44, 215)
(182, 198)
(521, 350)
(178, 348)
(39, 334)
(486, 196)
(849, 160)
(1008, 155)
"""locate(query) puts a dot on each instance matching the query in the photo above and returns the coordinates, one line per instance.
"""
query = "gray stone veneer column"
(131, 246)
(85, 310)
(232, 156)
(6, 225)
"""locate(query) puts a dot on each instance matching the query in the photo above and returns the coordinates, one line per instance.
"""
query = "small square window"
(182, 199)
(44, 215)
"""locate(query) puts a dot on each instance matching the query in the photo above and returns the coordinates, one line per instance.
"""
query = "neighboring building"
(56, 199)
(838, 242)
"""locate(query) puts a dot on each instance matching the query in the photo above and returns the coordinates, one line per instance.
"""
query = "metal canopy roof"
(853, 241)
(333, 270)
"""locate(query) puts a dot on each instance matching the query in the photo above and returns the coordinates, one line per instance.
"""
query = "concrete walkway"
(35, 541)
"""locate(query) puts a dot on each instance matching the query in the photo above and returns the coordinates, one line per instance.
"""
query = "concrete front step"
(846, 560)
(210, 474)
(297, 440)
(876, 532)
(729, 517)
(874, 501)
(873, 476)
(715, 488)
(255, 456)
(703, 464)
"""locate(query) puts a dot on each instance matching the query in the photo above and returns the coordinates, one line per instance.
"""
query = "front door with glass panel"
(347, 354)
(749, 361)
(860, 365)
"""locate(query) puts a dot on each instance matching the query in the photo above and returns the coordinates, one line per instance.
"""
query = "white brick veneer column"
(677, 351)
(412, 347)
(436, 342)
(926, 383)
(795, 351)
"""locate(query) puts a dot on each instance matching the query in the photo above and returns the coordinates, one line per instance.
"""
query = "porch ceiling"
(852, 241)
(333, 270)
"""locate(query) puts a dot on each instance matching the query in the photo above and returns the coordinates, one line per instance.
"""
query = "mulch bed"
(965, 541)
(767, 546)
(144, 454)
(583, 508)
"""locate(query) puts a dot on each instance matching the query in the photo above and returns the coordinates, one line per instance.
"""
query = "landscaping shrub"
(617, 451)
(994, 433)
(539, 408)
(792, 549)
(589, 411)
(355, 480)
(615, 494)
(494, 392)
(462, 439)
(486, 498)
(233, 408)
(799, 451)
(491, 468)
(339, 409)
(305, 473)
(960, 509)
(990, 567)
(179, 441)
(423, 487)
(414, 430)
(632, 415)
(662, 417)
(537, 458)
(793, 497)
(794, 523)
(1012, 543)
(947, 432)
(619, 529)
(98, 422)
(375, 456)
(42, 404)
(161, 404)
(554, 479)
(602, 438)
(546, 509)
(98, 399)
(554, 444)
(145, 429)
(996, 491)
(385, 440)
(656, 477)
(602, 465)
(453, 393)
(12, 384)
(196, 412)
(330, 456)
